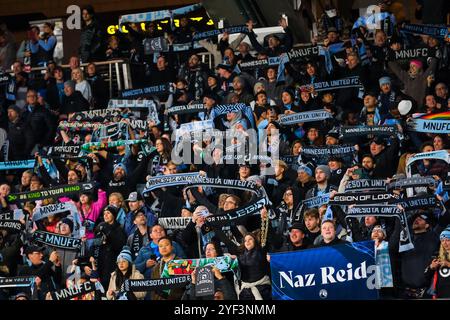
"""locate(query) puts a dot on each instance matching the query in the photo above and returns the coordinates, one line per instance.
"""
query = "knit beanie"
(325, 169)
(125, 254)
(445, 234)
(120, 165)
(69, 222)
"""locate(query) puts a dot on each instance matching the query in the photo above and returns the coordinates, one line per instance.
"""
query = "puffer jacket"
(135, 275)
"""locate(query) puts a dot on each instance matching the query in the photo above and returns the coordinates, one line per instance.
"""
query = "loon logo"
(323, 294)
(444, 272)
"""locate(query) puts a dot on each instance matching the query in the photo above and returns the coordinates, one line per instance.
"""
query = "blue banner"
(17, 164)
(340, 272)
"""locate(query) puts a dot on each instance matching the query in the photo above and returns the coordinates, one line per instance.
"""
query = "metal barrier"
(115, 72)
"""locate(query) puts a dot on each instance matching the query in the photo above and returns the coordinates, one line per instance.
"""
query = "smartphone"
(153, 257)
(82, 232)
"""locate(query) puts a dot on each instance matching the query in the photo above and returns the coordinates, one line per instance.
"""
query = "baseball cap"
(33, 248)
(134, 196)
(379, 141)
(298, 226)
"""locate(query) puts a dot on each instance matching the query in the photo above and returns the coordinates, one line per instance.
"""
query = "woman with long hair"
(116, 199)
(255, 281)
(439, 269)
(82, 85)
(164, 149)
(90, 210)
(125, 270)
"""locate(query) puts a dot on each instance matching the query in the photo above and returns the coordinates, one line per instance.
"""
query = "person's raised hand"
(250, 25)
(217, 273)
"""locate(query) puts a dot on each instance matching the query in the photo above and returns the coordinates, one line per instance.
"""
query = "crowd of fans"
(122, 223)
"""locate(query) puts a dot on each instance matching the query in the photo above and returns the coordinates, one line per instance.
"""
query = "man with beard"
(196, 75)
(322, 174)
(118, 183)
(426, 242)
(139, 238)
(296, 240)
(136, 205)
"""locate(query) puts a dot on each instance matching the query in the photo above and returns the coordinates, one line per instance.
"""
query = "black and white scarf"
(355, 131)
(77, 290)
(385, 211)
(132, 285)
(363, 198)
(412, 182)
(99, 115)
(307, 116)
(56, 240)
(186, 108)
(365, 185)
(64, 152)
(320, 155)
(169, 180)
(147, 92)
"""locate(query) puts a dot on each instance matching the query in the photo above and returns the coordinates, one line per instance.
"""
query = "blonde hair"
(120, 197)
(444, 255)
(81, 74)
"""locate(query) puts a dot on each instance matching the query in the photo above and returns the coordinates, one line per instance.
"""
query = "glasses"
(289, 194)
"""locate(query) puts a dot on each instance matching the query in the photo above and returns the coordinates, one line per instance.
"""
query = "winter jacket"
(152, 249)
(135, 275)
(17, 139)
(74, 103)
(50, 277)
(386, 161)
(335, 241)
(92, 42)
(415, 261)
(173, 294)
(414, 87)
(39, 127)
(99, 90)
(93, 214)
(115, 239)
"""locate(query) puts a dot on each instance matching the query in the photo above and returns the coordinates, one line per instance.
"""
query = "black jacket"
(48, 276)
(115, 239)
(39, 126)
(53, 99)
(92, 42)
(386, 161)
(335, 241)
(17, 140)
(74, 103)
(100, 92)
(415, 261)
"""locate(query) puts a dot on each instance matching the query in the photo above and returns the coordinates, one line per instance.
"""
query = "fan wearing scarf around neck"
(125, 270)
